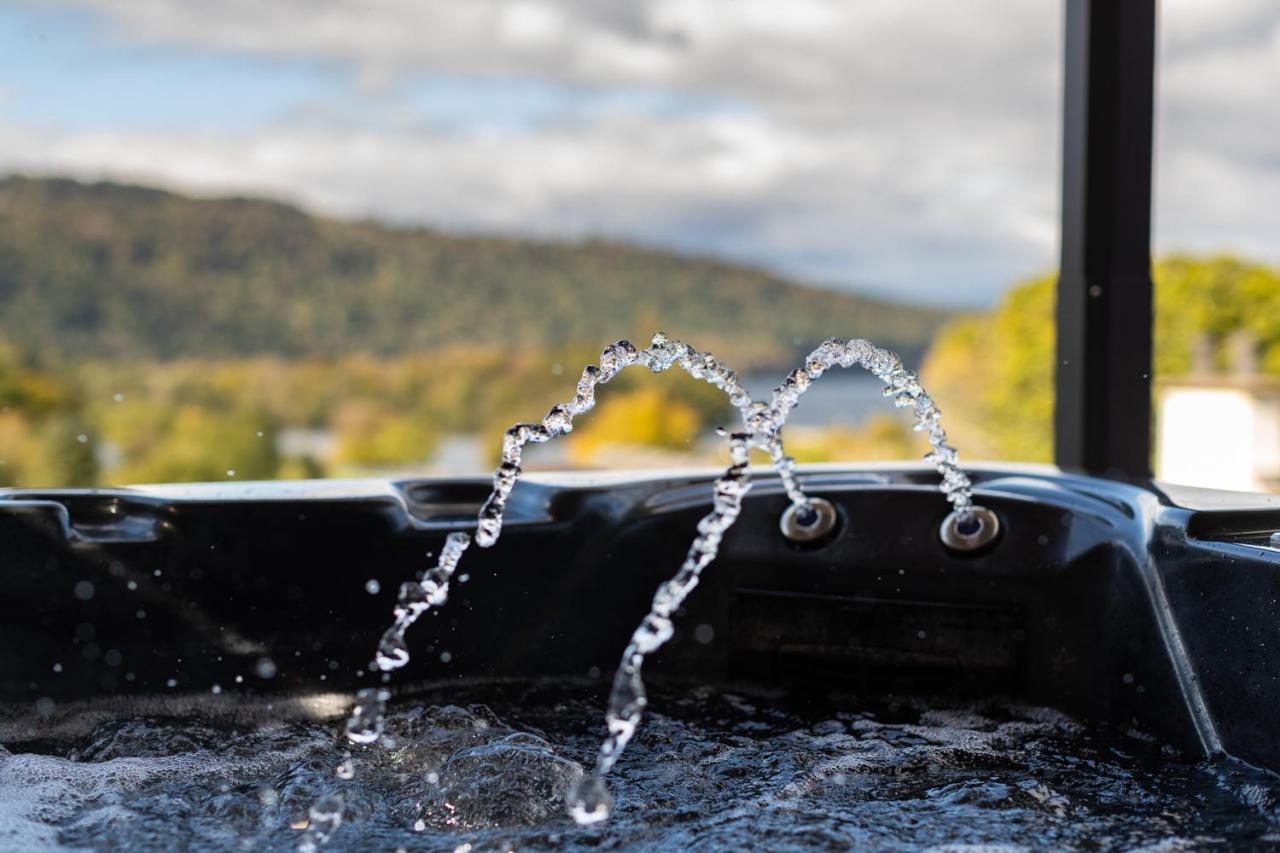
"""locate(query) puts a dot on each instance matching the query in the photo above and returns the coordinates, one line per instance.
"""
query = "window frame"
(1102, 385)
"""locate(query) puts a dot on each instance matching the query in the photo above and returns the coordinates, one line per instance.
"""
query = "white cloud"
(911, 146)
(738, 186)
(1218, 135)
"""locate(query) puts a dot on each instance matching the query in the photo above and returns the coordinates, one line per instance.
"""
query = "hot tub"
(1131, 609)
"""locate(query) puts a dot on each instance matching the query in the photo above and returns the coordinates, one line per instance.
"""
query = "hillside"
(106, 270)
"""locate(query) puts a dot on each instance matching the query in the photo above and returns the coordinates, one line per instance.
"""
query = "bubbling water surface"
(741, 768)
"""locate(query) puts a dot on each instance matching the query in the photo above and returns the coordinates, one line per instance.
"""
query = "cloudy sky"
(903, 147)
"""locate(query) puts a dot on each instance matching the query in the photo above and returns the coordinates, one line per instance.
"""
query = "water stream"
(762, 424)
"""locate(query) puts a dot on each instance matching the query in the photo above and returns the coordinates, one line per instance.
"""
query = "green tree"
(196, 444)
(371, 437)
(45, 440)
(647, 417)
(882, 437)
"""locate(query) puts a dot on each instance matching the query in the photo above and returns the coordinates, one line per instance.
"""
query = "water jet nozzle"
(969, 530)
(808, 521)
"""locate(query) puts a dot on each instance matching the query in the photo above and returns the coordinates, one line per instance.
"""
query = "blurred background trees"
(992, 373)
(45, 437)
(145, 337)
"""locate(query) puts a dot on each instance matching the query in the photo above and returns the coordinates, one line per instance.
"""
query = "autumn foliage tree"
(992, 373)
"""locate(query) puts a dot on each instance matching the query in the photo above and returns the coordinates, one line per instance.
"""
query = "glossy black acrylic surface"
(1105, 600)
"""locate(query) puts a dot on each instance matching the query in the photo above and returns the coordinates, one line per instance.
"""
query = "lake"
(842, 397)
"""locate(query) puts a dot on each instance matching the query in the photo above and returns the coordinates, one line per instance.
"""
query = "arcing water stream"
(762, 422)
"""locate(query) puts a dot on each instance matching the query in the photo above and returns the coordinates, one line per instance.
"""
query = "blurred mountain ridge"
(91, 270)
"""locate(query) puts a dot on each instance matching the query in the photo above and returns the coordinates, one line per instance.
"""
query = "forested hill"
(93, 270)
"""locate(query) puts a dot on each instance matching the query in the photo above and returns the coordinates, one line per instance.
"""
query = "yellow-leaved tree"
(992, 373)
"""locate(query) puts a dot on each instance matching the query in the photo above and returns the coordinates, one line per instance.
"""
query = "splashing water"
(324, 817)
(719, 770)
(369, 715)
(589, 800)
(416, 599)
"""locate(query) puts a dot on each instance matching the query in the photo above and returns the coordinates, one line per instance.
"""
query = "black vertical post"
(1102, 415)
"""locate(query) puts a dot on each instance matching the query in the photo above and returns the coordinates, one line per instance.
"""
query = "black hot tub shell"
(1118, 603)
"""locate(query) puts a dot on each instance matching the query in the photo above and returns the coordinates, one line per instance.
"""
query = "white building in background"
(307, 443)
(1219, 432)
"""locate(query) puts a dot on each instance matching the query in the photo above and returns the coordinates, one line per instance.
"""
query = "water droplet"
(392, 653)
(231, 472)
(372, 586)
(84, 590)
(265, 668)
(368, 718)
(589, 801)
(324, 817)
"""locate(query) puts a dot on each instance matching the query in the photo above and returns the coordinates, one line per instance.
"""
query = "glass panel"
(1218, 275)
(374, 235)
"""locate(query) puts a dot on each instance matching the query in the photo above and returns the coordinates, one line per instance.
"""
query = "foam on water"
(746, 769)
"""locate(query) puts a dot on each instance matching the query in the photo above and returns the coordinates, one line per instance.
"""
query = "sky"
(906, 148)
